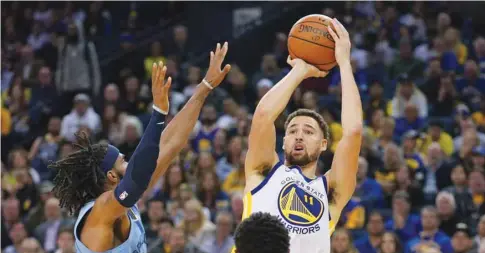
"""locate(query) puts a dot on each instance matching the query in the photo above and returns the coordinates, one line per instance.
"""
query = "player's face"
(304, 141)
(120, 166)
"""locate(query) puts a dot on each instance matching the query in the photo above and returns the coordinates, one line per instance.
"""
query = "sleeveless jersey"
(136, 239)
(300, 203)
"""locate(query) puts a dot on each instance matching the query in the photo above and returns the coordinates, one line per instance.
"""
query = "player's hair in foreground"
(262, 233)
(312, 114)
(79, 177)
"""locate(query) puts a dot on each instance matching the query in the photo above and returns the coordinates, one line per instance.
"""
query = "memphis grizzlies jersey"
(300, 203)
(136, 239)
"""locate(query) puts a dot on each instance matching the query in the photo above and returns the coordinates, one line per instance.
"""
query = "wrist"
(202, 90)
(300, 71)
(158, 110)
(345, 65)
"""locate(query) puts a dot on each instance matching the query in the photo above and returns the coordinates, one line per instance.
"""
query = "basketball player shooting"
(102, 189)
(309, 206)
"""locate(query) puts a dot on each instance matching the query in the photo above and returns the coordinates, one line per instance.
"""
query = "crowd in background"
(421, 181)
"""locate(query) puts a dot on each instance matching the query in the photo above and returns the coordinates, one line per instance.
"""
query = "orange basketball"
(310, 41)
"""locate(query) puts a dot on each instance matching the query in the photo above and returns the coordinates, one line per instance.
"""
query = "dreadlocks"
(79, 178)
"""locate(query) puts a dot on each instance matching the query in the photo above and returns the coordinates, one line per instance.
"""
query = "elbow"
(355, 130)
(262, 115)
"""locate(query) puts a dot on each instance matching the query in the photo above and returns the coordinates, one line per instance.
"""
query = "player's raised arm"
(342, 176)
(262, 137)
(111, 204)
(177, 132)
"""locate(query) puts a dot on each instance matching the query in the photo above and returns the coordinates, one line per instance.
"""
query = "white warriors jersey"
(300, 203)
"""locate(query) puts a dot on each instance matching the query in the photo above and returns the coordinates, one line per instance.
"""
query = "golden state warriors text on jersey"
(300, 206)
(300, 203)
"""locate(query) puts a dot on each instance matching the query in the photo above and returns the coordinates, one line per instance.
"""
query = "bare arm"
(342, 176)
(177, 133)
(262, 137)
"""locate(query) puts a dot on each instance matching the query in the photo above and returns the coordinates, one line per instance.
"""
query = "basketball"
(310, 41)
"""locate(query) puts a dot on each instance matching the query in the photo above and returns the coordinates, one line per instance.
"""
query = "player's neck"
(309, 170)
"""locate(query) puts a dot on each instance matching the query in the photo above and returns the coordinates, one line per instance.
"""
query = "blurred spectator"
(462, 241)
(31, 245)
(17, 234)
(368, 192)
(204, 137)
(129, 135)
(479, 47)
(373, 238)
(446, 206)
(47, 231)
(82, 114)
(223, 240)
(236, 180)
(154, 57)
(211, 195)
(197, 227)
(341, 241)
(405, 224)
(65, 240)
(78, 65)
(390, 243)
(431, 237)
(407, 93)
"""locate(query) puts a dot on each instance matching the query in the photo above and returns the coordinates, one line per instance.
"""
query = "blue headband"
(110, 158)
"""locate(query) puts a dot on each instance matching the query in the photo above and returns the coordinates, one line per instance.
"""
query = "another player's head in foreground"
(85, 174)
(262, 233)
(306, 136)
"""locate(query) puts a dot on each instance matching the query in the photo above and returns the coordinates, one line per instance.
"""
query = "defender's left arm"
(342, 176)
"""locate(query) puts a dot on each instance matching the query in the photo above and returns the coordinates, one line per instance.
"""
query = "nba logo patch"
(299, 207)
(123, 195)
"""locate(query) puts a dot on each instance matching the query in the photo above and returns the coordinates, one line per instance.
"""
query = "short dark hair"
(312, 114)
(262, 233)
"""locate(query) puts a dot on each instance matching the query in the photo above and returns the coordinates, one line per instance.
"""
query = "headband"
(110, 158)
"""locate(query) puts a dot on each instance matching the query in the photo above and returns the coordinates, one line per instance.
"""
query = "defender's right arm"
(262, 137)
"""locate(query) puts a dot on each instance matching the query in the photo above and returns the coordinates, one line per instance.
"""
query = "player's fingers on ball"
(333, 34)
(336, 27)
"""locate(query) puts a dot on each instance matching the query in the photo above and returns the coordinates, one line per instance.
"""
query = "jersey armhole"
(266, 179)
(327, 190)
(80, 224)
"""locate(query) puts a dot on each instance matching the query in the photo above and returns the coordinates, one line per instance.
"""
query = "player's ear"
(323, 146)
(112, 176)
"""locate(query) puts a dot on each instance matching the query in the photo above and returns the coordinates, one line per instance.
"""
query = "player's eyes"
(308, 132)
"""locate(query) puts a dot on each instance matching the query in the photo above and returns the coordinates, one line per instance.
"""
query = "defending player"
(262, 233)
(101, 188)
(309, 206)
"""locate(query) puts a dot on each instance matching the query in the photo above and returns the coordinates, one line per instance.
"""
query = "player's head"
(262, 233)
(306, 136)
(86, 173)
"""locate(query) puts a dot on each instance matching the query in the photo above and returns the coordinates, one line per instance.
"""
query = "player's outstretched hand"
(308, 69)
(160, 87)
(214, 74)
(342, 42)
